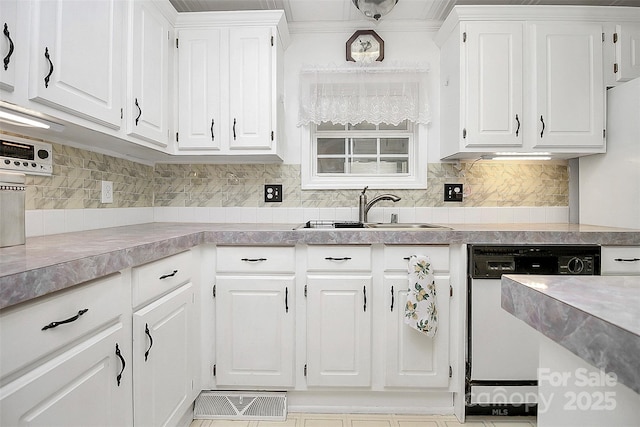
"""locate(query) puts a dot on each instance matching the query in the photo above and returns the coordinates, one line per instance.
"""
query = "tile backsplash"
(493, 191)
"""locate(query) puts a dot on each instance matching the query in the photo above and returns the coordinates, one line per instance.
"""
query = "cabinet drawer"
(158, 277)
(22, 338)
(256, 259)
(396, 257)
(620, 260)
(337, 257)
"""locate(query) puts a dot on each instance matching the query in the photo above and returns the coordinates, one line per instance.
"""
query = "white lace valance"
(353, 94)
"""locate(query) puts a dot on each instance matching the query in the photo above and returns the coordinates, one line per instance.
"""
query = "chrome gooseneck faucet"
(364, 205)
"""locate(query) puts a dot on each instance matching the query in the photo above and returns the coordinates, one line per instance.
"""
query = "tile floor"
(365, 420)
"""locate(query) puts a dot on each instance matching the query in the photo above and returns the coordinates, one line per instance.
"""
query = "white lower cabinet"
(255, 317)
(162, 352)
(338, 330)
(67, 358)
(413, 359)
(165, 347)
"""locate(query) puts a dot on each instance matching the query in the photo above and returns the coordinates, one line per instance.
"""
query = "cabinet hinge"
(604, 133)
(121, 113)
(615, 37)
(271, 40)
(272, 135)
(305, 369)
(450, 371)
(177, 43)
(602, 37)
(464, 133)
(305, 291)
(214, 370)
(177, 137)
(450, 291)
(214, 291)
(464, 37)
(615, 68)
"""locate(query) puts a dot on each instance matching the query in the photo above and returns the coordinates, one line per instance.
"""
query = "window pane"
(390, 165)
(325, 126)
(331, 146)
(362, 126)
(394, 146)
(365, 146)
(330, 165)
(364, 166)
(399, 126)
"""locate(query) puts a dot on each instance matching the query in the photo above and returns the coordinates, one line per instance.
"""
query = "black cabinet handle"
(234, 128)
(253, 259)
(46, 55)
(119, 377)
(627, 259)
(69, 320)
(139, 111)
(542, 132)
(518, 129)
(364, 293)
(8, 36)
(286, 299)
(146, 331)
(392, 299)
(212, 135)
(166, 276)
(330, 258)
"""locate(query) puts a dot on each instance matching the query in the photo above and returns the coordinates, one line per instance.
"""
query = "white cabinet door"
(200, 65)
(255, 331)
(250, 86)
(413, 359)
(162, 358)
(76, 61)
(627, 42)
(8, 21)
(492, 84)
(148, 78)
(568, 85)
(87, 385)
(339, 330)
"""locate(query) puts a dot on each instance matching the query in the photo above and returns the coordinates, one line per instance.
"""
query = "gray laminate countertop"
(50, 263)
(595, 317)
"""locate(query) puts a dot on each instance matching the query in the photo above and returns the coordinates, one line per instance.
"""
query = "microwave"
(25, 156)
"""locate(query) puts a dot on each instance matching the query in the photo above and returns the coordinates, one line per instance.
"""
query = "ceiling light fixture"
(374, 9)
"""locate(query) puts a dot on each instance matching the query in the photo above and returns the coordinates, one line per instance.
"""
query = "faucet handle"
(365, 189)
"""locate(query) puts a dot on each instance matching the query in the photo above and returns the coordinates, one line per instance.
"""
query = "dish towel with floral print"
(420, 311)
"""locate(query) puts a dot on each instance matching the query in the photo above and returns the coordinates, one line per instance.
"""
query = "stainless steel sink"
(407, 225)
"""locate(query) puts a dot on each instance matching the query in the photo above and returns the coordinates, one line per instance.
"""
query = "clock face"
(365, 46)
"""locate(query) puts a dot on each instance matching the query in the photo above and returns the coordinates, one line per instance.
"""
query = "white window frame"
(416, 179)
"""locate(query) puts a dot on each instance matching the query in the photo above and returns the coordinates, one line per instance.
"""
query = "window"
(364, 154)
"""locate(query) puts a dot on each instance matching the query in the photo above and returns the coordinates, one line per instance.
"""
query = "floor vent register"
(268, 406)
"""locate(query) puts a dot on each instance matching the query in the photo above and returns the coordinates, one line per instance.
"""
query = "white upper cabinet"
(199, 89)
(528, 86)
(627, 52)
(230, 84)
(568, 85)
(76, 58)
(148, 108)
(492, 87)
(8, 21)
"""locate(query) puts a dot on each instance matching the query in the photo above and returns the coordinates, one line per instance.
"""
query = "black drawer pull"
(48, 76)
(7, 58)
(364, 293)
(286, 299)
(392, 299)
(253, 259)
(139, 111)
(330, 258)
(69, 320)
(146, 331)
(166, 276)
(119, 377)
(627, 259)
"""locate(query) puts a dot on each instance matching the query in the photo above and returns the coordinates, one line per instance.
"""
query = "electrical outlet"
(453, 192)
(273, 193)
(107, 192)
